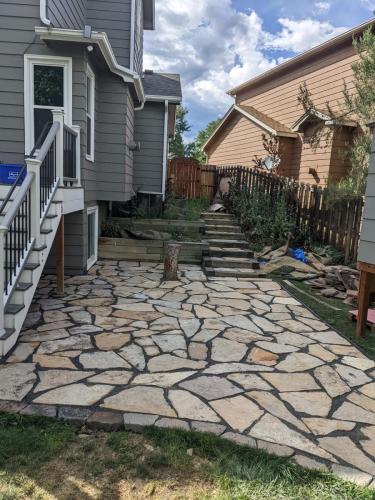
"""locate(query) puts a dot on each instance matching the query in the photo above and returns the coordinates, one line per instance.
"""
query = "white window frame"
(94, 258)
(31, 60)
(90, 75)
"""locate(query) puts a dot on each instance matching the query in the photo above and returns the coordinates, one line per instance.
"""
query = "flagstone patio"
(238, 358)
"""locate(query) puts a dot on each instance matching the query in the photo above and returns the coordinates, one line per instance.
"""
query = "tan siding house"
(272, 99)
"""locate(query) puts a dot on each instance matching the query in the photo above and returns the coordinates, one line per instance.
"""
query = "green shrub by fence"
(312, 214)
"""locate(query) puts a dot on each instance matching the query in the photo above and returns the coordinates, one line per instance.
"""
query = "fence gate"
(188, 179)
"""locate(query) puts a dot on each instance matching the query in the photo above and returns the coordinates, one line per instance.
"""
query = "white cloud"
(322, 7)
(217, 49)
(369, 4)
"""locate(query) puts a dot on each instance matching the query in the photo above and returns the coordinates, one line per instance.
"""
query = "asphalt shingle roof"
(163, 84)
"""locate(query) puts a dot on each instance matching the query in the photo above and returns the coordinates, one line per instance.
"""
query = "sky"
(218, 44)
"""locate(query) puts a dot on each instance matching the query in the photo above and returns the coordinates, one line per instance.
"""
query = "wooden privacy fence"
(188, 179)
(325, 222)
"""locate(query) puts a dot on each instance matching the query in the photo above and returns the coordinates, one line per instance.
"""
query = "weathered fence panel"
(188, 179)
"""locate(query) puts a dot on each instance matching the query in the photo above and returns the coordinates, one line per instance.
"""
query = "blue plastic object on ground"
(9, 173)
(299, 254)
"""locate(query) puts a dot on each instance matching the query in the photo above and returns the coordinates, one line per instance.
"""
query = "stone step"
(230, 252)
(225, 272)
(219, 217)
(231, 262)
(215, 235)
(228, 243)
(223, 227)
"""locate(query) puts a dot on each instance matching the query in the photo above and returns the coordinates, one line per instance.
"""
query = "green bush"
(183, 209)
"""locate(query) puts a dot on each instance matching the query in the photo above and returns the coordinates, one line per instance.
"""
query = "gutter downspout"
(132, 33)
(43, 13)
(165, 149)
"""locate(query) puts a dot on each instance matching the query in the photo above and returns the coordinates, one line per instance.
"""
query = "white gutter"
(43, 13)
(132, 33)
(161, 98)
(165, 149)
(100, 39)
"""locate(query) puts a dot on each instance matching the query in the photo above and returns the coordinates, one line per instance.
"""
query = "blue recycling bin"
(9, 173)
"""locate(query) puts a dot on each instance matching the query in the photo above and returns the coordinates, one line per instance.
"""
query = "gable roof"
(313, 114)
(301, 59)
(162, 86)
(259, 119)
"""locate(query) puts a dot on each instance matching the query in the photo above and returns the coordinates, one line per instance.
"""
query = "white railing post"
(33, 165)
(77, 129)
(3, 231)
(58, 116)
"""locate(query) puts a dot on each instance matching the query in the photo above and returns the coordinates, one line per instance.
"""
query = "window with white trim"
(90, 114)
(92, 235)
(48, 86)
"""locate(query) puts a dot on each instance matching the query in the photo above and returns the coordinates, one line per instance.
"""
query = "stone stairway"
(228, 254)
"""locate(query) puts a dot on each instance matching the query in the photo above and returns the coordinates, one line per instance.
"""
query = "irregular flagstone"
(22, 352)
(294, 382)
(317, 325)
(230, 295)
(164, 324)
(242, 305)
(299, 362)
(265, 325)
(353, 413)
(327, 337)
(33, 336)
(213, 324)
(52, 316)
(98, 302)
(211, 387)
(352, 475)
(259, 305)
(74, 395)
(243, 336)
(135, 307)
(81, 317)
(78, 330)
(198, 351)
(191, 407)
(208, 427)
(57, 325)
(168, 363)
(319, 352)
(170, 343)
(324, 426)
(111, 341)
(221, 368)
(109, 322)
(134, 355)
(276, 348)
(174, 313)
(362, 401)
(276, 407)
(197, 299)
(359, 363)
(250, 381)
(140, 399)
(294, 326)
(295, 339)
(270, 428)
(287, 301)
(331, 381)
(142, 316)
(56, 361)
(239, 412)
(242, 322)
(352, 376)
(102, 360)
(227, 350)
(311, 403)
(344, 448)
(278, 316)
(205, 313)
(162, 379)
(342, 350)
(112, 377)
(262, 357)
(77, 342)
(190, 326)
(16, 381)
(56, 378)
(206, 335)
(368, 390)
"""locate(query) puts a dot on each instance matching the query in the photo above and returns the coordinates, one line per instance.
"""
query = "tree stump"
(172, 253)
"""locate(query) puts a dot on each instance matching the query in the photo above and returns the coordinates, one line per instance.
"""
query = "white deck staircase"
(29, 218)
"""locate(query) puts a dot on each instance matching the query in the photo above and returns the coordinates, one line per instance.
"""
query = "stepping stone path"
(228, 254)
(233, 356)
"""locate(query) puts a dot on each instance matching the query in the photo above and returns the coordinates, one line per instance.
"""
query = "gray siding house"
(366, 252)
(85, 58)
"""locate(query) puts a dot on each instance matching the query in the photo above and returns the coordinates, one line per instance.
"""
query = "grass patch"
(42, 459)
(337, 319)
(181, 209)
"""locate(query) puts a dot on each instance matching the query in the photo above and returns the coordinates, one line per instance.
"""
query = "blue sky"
(215, 48)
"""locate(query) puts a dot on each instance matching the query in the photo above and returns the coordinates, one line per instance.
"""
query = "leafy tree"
(358, 105)
(196, 148)
(177, 146)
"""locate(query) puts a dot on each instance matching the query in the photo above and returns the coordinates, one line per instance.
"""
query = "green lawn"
(43, 459)
(338, 319)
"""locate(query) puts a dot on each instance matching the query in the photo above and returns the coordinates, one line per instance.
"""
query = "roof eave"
(149, 15)
(163, 98)
(101, 40)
